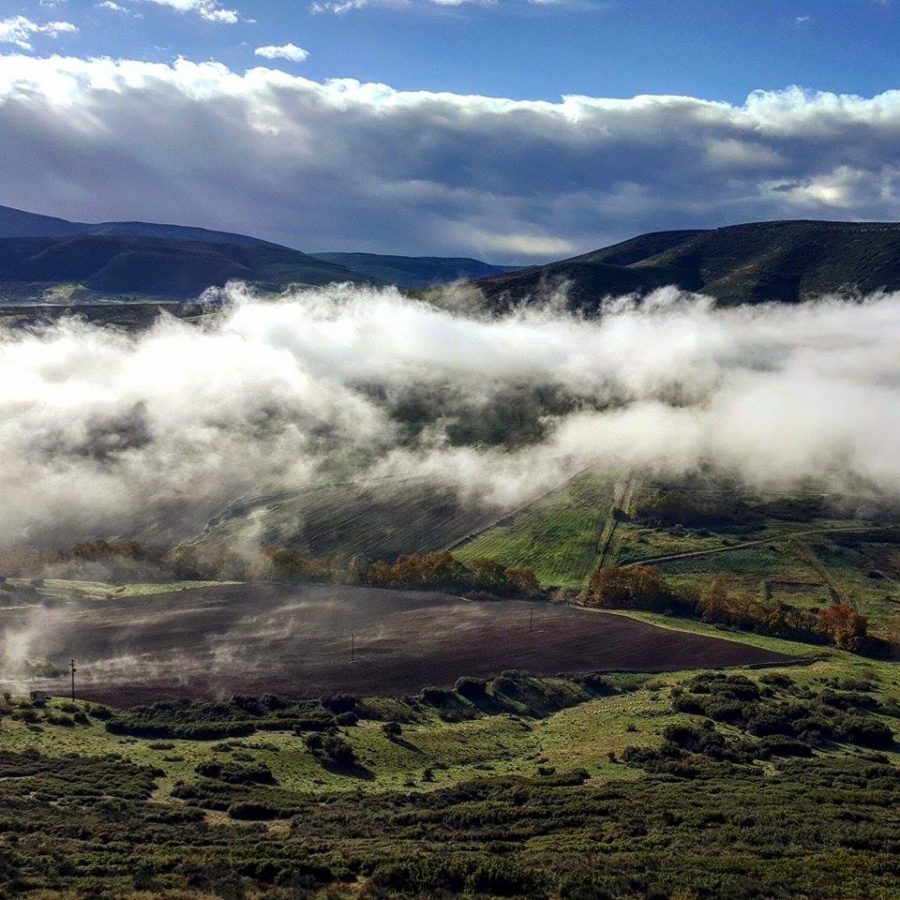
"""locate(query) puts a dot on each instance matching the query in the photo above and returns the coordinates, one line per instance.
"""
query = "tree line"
(643, 588)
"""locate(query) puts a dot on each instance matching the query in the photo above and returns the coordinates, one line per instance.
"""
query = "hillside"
(86, 267)
(692, 785)
(415, 272)
(779, 261)
(16, 223)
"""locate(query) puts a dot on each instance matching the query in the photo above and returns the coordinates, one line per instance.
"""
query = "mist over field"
(107, 433)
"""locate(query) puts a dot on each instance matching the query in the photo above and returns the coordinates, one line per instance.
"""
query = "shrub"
(471, 688)
(338, 751)
(778, 745)
(233, 773)
(332, 748)
(867, 732)
(340, 703)
(436, 696)
(392, 730)
(250, 811)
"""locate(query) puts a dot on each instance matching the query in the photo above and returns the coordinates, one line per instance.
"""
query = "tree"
(846, 628)
(632, 587)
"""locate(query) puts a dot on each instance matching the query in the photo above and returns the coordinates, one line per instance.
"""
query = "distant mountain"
(88, 267)
(415, 273)
(15, 223)
(780, 261)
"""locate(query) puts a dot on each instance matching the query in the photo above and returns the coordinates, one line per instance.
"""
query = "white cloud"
(341, 7)
(338, 7)
(111, 6)
(211, 10)
(347, 165)
(19, 30)
(286, 51)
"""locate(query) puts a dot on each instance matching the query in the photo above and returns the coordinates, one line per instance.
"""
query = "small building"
(39, 696)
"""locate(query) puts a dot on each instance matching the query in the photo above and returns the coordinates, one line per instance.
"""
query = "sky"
(515, 131)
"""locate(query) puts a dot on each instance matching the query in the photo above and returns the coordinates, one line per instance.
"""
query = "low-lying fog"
(105, 433)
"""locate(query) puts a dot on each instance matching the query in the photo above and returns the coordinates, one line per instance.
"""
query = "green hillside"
(618, 786)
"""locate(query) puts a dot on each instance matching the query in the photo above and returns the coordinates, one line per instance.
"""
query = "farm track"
(807, 555)
(607, 536)
(731, 548)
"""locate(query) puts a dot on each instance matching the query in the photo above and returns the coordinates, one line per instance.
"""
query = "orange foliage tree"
(632, 587)
(845, 627)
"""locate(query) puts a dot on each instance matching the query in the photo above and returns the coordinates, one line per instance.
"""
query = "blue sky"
(514, 48)
(165, 110)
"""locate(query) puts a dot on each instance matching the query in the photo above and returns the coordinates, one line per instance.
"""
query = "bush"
(314, 723)
(340, 703)
(435, 696)
(392, 730)
(471, 688)
(778, 745)
(867, 732)
(332, 748)
(339, 751)
(249, 811)
(234, 773)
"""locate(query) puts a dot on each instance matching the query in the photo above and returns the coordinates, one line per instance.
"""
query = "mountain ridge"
(18, 223)
(416, 272)
(784, 261)
(82, 268)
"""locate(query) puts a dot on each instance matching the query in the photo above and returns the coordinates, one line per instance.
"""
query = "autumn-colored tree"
(524, 580)
(631, 587)
(294, 565)
(845, 627)
(439, 570)
(714, 604)
(442, 570)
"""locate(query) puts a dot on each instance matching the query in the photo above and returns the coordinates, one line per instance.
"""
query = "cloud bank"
(110, 434)
(344, 165)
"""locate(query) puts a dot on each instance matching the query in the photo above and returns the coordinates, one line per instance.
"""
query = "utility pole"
(74, 670)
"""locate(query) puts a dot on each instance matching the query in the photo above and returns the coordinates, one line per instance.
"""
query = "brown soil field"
(318, 639)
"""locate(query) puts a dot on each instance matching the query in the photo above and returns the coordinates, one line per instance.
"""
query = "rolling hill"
(16, 223)
(779, 261)
(415, 272)
(119, 267)
(44, 257)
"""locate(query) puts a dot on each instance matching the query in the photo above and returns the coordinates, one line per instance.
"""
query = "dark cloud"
(343, 165)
